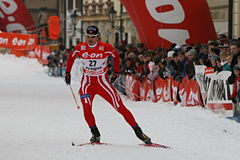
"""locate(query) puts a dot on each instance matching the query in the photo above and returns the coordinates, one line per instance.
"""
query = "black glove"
(68, 78)
(114, 77)
(234, 100)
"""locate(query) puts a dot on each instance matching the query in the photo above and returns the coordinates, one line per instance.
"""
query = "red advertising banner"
(162, 23)
(18, 41)
(132, 88)
(31, 54)
(175, 85)
(41, 53)
(19, 53)
(147, 91)
(163, 89)
(189, 92)
(14, 16)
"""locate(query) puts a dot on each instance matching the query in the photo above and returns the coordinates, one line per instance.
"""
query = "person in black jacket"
(191, 62)
(235, 51)
(129, 67)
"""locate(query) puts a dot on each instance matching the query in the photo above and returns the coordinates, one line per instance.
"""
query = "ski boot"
(95, 135)
(143, 137)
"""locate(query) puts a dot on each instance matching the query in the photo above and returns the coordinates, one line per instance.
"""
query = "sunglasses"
(91, 36)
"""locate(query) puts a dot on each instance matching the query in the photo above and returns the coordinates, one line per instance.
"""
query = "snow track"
(39, 121)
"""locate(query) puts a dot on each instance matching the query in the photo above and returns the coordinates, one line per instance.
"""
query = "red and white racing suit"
(95, 80)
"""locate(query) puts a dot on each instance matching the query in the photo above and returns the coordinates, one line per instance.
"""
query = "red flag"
(14, 16)
(162, 23)
(54, 27)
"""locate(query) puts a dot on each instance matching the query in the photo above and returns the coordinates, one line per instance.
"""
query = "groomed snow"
(39, 121)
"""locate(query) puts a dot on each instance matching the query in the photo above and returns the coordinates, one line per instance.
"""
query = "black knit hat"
(92, 30)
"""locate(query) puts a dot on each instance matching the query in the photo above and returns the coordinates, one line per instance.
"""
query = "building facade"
(35, 6)
(222, 14)
(96, 12)
(219, 12)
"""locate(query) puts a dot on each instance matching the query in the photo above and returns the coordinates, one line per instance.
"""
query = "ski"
(86, 144)
(100, 143)
(154, 145)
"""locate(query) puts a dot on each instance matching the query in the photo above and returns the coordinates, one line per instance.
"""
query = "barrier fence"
(25, 45)
(208, 90)
(186, 92)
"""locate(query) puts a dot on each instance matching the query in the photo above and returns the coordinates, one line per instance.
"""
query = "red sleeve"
(116, 60)
(72, 56)
(235, 87)
(115, 55)
(234, 93)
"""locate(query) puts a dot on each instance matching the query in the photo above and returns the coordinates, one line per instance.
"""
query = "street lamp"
(230, 18)
(74, 18)
(112, 16)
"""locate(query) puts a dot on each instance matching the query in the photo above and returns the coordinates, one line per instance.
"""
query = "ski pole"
(74, 97)
(114, 82)
(128, 90)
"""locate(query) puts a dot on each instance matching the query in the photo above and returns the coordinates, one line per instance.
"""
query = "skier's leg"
(111, 95)
(237, 111)
(89, 117)
(87, 95)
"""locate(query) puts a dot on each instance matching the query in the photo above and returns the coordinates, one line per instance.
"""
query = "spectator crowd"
(57, 61)
(179, 61)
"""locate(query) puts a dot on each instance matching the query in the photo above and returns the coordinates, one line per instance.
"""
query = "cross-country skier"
(94, 54)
